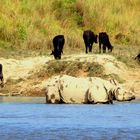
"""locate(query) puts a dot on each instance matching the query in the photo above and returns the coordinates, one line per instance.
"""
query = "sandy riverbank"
(25, 77)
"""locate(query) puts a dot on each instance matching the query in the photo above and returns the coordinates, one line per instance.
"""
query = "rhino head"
(120, 94)
(123, 95)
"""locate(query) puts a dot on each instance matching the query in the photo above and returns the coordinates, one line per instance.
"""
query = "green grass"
(32, 25)
(126, 54)
(73, 68)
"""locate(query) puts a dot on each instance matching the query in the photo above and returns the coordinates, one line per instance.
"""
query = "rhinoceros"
(68, 89)
(115, 90)
(74, 90)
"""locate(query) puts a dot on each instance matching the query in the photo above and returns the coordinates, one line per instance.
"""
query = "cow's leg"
(109, 50)
(59, 54)
(86, 49)
(86, 45)
(104, 49)
(99, 47)
(90, 48)
(59, 57)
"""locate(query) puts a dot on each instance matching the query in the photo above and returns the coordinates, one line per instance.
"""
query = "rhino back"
(74, 90)
(98, 93)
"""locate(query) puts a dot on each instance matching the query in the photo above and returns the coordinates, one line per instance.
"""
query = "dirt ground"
(18, 72)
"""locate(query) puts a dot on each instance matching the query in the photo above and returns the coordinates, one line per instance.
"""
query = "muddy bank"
(39, 100)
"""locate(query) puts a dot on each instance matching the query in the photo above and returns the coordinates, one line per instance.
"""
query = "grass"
(32, 25)
(72, 68)
(126, 54)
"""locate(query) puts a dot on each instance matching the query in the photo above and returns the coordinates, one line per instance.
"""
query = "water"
(24, 121)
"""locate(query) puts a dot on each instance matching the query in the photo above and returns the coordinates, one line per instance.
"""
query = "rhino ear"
(132, 89)
(114, 82)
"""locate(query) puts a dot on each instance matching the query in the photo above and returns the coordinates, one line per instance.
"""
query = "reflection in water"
(84, 122)
(18, 99)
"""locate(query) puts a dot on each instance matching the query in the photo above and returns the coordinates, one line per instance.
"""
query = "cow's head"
(56, 54)
(111, 48)
(137, 57)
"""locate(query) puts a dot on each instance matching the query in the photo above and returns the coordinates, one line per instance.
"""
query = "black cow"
(104, 40)
(58, 43)
(1, 76)
(138, 57)
(89, 38)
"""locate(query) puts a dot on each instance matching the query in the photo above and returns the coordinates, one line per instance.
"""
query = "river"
(39, 121)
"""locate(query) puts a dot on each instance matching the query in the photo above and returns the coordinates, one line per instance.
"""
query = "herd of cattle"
(89, 38)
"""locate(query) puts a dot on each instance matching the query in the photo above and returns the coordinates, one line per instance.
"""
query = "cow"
(138, 57)
(85, 90)
(104, 42)
(1, 76)
(58, 44)
(89, 38)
